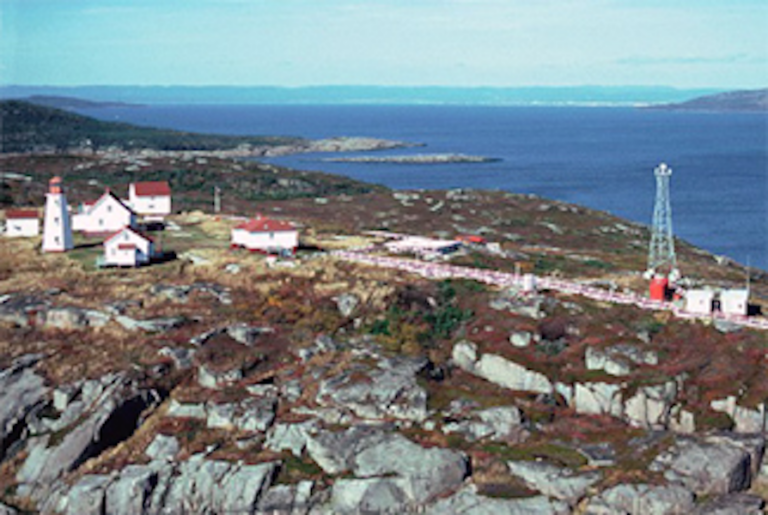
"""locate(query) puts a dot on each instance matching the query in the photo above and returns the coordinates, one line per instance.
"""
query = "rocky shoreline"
(415, 159)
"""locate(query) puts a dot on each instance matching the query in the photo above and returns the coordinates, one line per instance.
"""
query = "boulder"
(650, 406)
(554, 481)
(287, 498)
(163, 448)
(746, 420)
(682, 420)
(186, 410)
(598, 399)
(333, 451)
(253, 414)
(467, 502)
(131, 493)
(499, 370)
(346, 303)
(153, 325)
(464, 355)
(521, 339)
(641, 499)
(706, 468)
(86, 497)
(291, 437)
(732, 504)
(499, 423)
(388, 391)
(215, 379)
(618, 360)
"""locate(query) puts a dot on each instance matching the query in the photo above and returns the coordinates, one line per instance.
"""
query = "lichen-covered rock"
(467, 502)
(618, 360)
(732, 504)
(641, 499)
(651, 405)
(389, 390)
(706, 468)
(502, 422)
(598, 399)
(554, 481)
(746, 420)
(21, 390)
(500, 371)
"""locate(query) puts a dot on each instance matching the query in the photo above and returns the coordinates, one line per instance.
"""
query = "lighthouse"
(57, 231)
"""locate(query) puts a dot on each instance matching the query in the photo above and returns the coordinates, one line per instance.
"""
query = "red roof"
(21, 213)
(152, 189)
(266, 225)
(126, 246)
(126, 228)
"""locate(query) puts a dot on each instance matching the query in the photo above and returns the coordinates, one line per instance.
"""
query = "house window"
(271, 236)
(101, 222)
(125, 236)
(56, 220)
(109, 209)
(56, 239)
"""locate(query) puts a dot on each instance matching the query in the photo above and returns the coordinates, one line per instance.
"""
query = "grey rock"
(152, 325)
(618, 360)
(131, 493)
(467, 502)
(163, 447)
(216, 379)
(521, 339)
(287, 498)
(732, 504)
(464, 355)
(254, 414)
(553, 481)
(232, 268)
(641, 499)
(371, 495)
(7, 510)
(346, 303)
(333, 451)
(120, 400)
(752, 444)
(86, 497)
(291, 437)
(21, 391)
(247, 334)
(389, 390)
(186, 410)
(73, 318)
(598, 399)
(509, 374)
(22, 310)
(706, 468)
(500, 423)
(321, 345)
(651, 406)
(747, 420)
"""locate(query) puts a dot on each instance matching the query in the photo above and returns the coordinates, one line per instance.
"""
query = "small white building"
(105, 216)
(699, 302)
(265, 235)
(421, 246)
(128, 247)
(152, 199)
(57, 227)
(22, 223)
(734, 302)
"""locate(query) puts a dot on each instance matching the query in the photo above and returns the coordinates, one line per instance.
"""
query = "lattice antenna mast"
(661, 255)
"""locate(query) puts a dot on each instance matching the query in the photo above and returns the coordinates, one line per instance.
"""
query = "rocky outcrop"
(498, 370)
(181, 293)
(706, 468)
(746, 420)
(732, 504)
(106, 413)
(388, 390)
(253, 414)
(197, 485)
(598, 399)
(500, 423)
(650, 407)
(618, 360)
(554, 481)
(468, 502)
(639, 499)
(21, 391)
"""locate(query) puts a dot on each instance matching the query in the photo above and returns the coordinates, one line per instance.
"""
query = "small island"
(731, 101)
(414, 159)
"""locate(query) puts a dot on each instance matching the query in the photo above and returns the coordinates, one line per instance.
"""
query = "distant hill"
(746, 100)
(26, 127)
(60, 102)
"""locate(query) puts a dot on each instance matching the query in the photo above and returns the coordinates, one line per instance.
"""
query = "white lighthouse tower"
(57, 231)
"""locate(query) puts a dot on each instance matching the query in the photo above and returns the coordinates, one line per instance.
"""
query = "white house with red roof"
(105, 216)
(262, 234)
(22, 223)
(151, 199)
(128, 247)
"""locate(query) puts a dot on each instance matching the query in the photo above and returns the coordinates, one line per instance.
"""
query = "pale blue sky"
(683, 43)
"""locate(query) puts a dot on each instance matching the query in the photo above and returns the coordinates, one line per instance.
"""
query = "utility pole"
(661, 254)
(216, 199)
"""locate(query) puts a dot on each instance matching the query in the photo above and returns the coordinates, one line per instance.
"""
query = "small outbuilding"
(105, 216)
(735, 302)
(128, 247)
(266, 235)
(700, 302)
(151, 199)
(22, 223)
(424, 247)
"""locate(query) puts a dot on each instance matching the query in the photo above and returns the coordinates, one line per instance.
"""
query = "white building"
(421, 246)
(152, 200)
(105, 216)
(699, 301)
(22, 222)
(734, 302)
(57, 231)
(128, 247)
(266, 235)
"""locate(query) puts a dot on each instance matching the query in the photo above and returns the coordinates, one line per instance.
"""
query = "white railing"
(504, 279)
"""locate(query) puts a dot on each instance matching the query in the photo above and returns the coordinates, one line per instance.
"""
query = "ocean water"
(602, 158)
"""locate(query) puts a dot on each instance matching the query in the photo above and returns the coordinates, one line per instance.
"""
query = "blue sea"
(600, 157)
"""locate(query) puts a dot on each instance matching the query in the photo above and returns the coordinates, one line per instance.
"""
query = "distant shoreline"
(425, 159)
